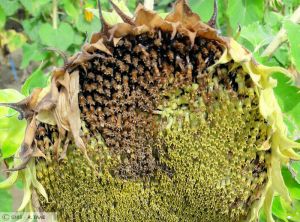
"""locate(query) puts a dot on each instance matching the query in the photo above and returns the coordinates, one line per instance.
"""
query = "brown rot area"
(120, 92)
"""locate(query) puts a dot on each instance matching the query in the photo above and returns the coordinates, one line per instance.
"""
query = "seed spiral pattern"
(176, 138)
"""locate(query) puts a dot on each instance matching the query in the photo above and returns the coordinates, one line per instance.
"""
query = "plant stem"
(54, 14)
(281, 36)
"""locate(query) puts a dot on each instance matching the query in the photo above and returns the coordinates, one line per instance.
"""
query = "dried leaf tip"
(26, 106)
(213, 20)
(22, 166)
(123, 16)
(18, 107)
(104, 25)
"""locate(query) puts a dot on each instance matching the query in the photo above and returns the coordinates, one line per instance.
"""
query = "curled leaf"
(35, 183)
(27, 178)
(10, 181)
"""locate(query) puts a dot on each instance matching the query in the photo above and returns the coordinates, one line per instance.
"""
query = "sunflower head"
(156, 119)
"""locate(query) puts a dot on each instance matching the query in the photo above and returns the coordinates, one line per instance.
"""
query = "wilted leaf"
(60, 38)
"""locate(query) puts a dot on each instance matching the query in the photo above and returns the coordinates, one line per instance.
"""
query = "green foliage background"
(254, 23)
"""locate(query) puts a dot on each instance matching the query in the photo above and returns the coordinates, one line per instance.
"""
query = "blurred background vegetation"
(268, 28)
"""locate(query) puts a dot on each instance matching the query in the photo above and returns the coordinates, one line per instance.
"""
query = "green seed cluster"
(210, 171)
(218, 171)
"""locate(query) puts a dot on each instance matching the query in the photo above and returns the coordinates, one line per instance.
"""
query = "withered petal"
(148, 18)
(99, 45)
(21, 166)
(62, 110)
(29, 137)
(183, 14)
(38, 153)
(120, 30)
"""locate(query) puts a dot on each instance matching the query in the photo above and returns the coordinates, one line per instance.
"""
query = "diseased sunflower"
(155, 120)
